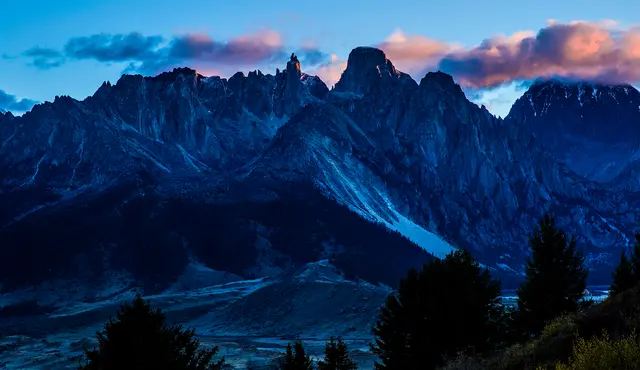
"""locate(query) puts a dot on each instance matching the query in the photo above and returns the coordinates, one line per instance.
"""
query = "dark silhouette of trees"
(336, 356)
(449, 306)
(296, 358)
(139, 338)
(623, 276)
(627, 273)
(555, 278)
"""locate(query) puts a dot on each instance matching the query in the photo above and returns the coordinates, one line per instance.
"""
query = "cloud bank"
(580, 50)
(154, 54)
(10, 102)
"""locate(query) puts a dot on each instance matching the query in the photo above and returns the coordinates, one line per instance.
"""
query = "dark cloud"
(154, 54)
(313, 57)
(12, 103)
(244, 50)
(44, 58)
(113, 48)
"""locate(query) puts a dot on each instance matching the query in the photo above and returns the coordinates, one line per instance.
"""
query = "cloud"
(593, 51)
(12, 103)
(242, 50)
(312, 57)
(113, 48)
(414, 53)
(44, 58)
(580, 50)
(154, 54)
(330, 71)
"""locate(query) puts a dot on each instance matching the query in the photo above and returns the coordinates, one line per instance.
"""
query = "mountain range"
(257, 174)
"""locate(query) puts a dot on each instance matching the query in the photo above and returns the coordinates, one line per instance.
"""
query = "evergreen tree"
(139, 338)
(448, 306)
(627, 273)
(336, 356)
(296, 358)
(287, 363)
(635, 260)
(555, 278)
(623, 276)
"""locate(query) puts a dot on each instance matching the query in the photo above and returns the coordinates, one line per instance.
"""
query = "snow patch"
(14, 134)
(535, 114)
(190, 160)
(627, 242)
(580, 94)
(362, 201)
(141, 151)
(37, 169)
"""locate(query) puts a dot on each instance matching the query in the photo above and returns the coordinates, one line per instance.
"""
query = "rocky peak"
(441, 85)
(592, 128)
(5, 117)
(366, 57)
(174, 74)
(316, 86)
(605, 113)
(236, 82)
(128, 80)
(103, 91)
(63, 101)
(293, 66)
(367, 68)
(294, 89)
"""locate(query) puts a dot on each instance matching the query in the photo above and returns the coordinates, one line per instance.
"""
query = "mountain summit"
(592, 128)
(367, 69)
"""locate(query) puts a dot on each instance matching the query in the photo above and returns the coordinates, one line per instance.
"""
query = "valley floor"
(64, 351)
(250, 320)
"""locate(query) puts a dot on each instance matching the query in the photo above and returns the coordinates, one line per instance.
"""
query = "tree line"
(448, 308)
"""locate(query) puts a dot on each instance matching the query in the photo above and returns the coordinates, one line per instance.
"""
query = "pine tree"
(296, 358)
(139, 338)
(336, 356)
(635, 259)
(555, 278)
(627, 273)
(623, 276)
(449, 306)
(287, 363)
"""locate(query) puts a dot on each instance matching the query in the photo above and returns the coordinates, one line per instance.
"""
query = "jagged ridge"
(414, 157)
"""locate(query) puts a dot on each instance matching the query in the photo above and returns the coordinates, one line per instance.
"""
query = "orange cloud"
(331, 71)
(594, 51)
(414, 52)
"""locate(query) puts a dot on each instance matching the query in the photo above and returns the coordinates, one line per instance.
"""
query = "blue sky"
(427, 36)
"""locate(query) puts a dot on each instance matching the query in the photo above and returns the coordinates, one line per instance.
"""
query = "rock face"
(256, 174)
(593, 129)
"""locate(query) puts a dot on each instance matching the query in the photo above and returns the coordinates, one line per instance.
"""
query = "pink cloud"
(331, 71)
(594, 51)
(245, 49)
(413, 53)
